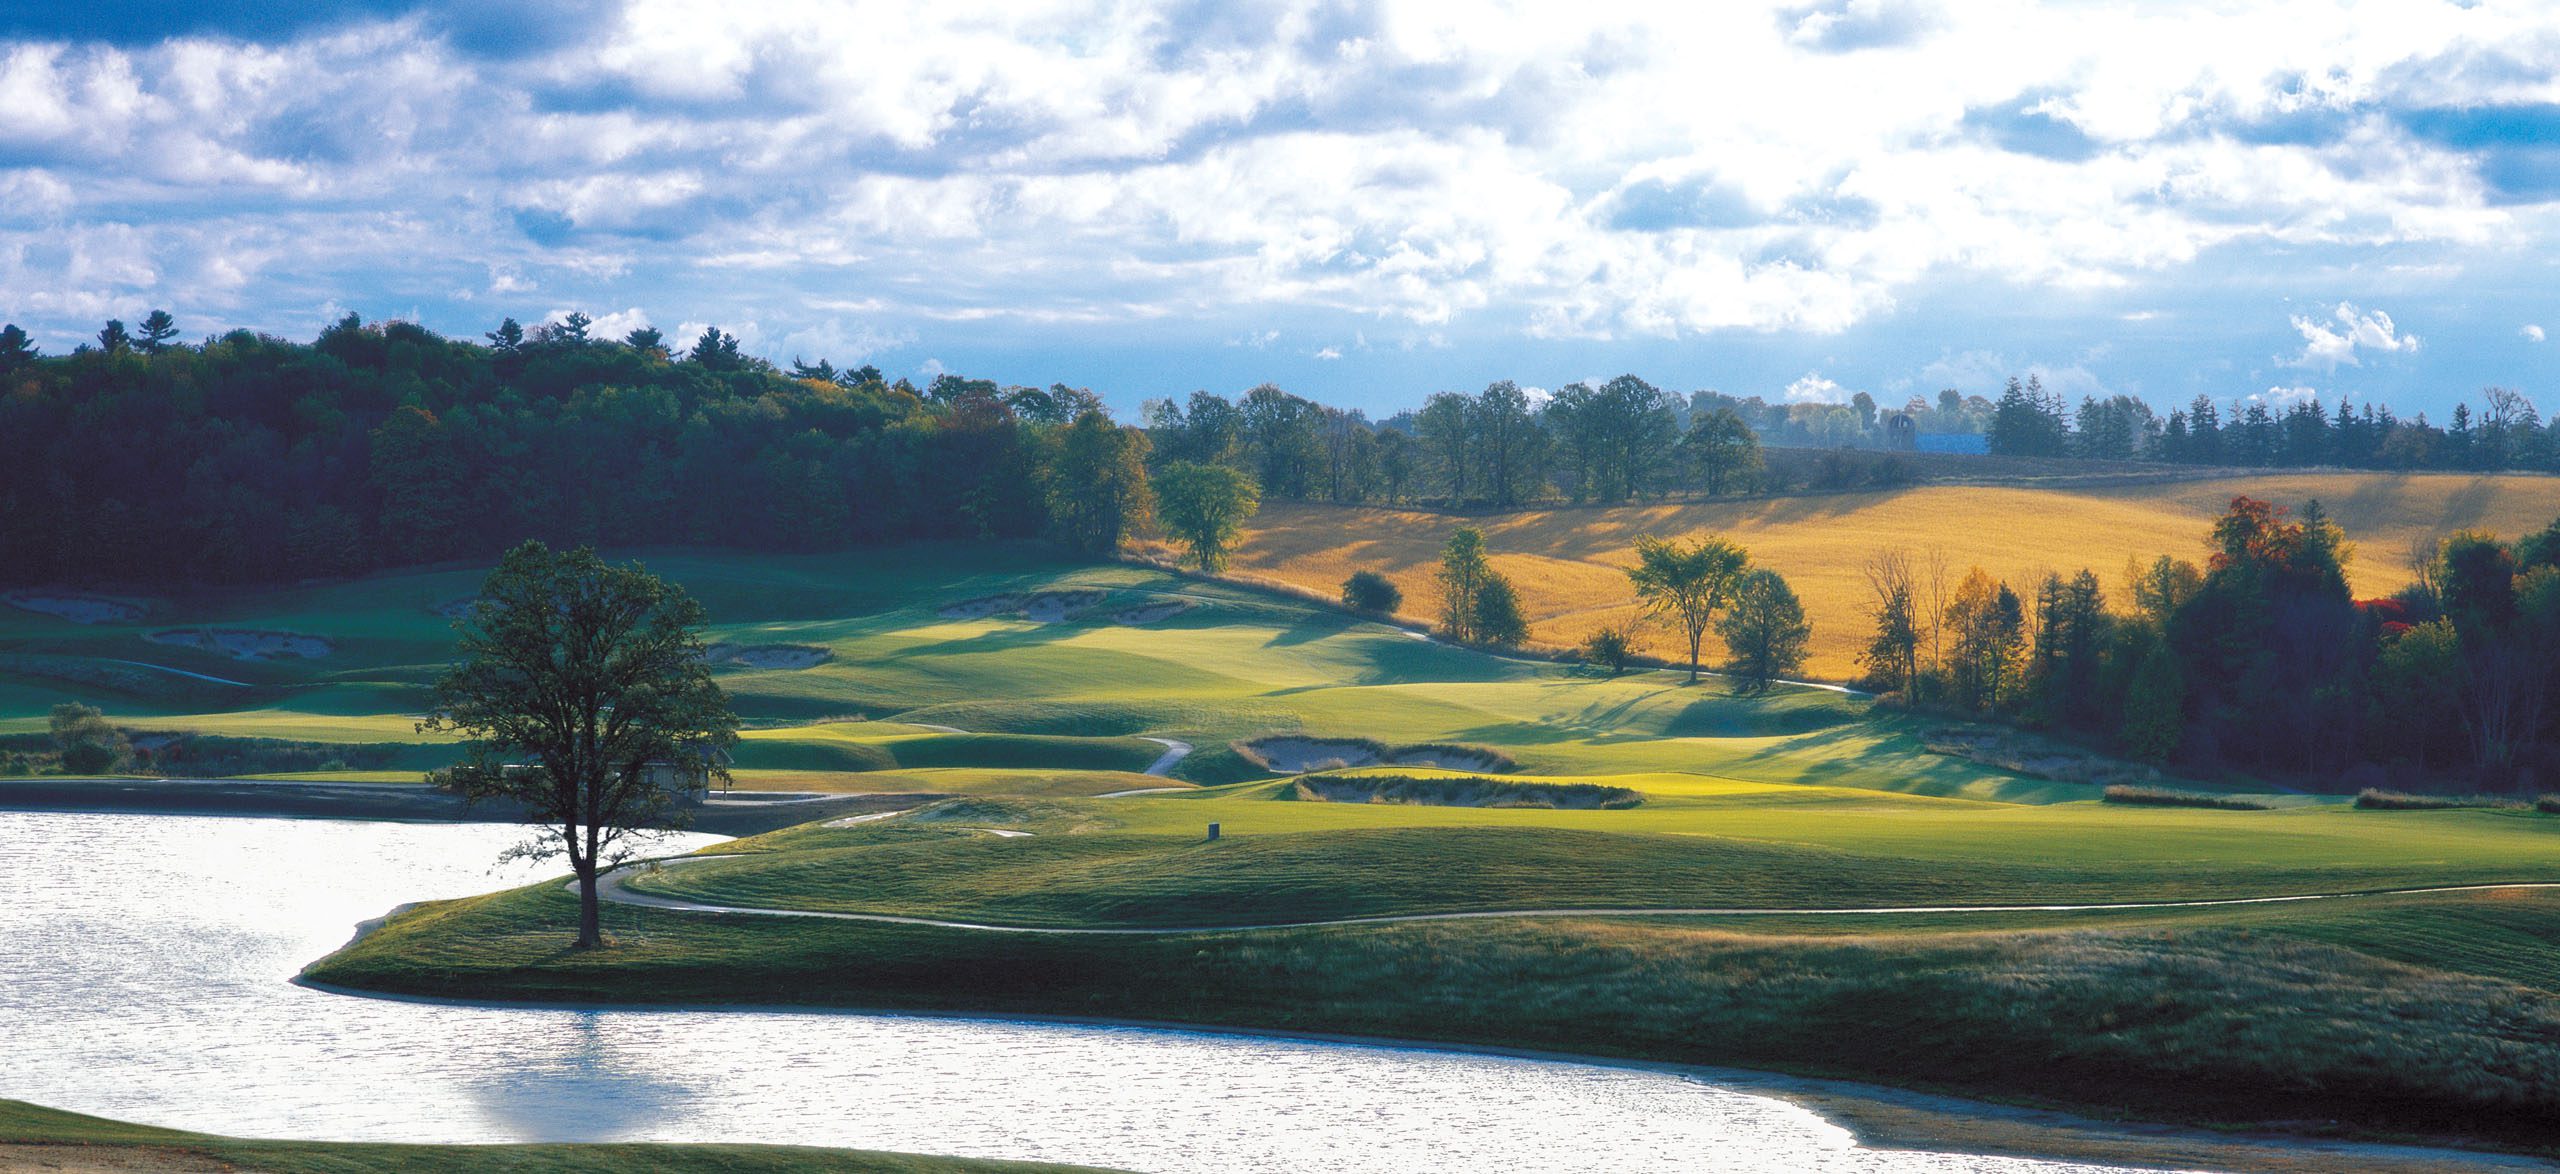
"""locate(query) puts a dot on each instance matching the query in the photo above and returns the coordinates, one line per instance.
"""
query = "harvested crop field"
(1569, 563)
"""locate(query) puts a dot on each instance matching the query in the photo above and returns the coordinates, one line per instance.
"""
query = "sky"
(1364, 203)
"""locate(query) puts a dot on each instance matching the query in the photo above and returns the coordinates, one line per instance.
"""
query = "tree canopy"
(581, 692)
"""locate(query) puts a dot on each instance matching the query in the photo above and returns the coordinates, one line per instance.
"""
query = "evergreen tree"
(17, 351)
(157, 329)
(508, 338)
(112, 338)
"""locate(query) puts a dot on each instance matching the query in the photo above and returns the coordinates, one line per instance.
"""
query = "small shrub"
(2377, 799)
(1370, 591)
(2171, 797)
(2548, 805)
(1610, 648)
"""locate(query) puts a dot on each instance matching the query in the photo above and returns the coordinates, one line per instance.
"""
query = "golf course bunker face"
(242, 644)
(75, 607)
(769, 656)
(1463, 792)
(1149, 613)
(1045, 607)
(1291, 754)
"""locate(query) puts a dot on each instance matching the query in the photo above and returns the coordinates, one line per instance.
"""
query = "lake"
(146, 977)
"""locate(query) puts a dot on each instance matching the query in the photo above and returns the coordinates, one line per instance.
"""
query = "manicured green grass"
(1237, 665)
(2239, 1016)
(103, 1141)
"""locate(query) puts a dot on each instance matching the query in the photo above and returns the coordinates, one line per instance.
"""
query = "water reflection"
(145, 978)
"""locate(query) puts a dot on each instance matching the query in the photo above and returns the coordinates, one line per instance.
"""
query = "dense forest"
(244, 458)
(2259, 659)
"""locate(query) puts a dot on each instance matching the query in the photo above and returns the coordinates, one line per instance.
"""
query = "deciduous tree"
(1764, 631)
(1204, 507)
(581, 685)
(1686, 584)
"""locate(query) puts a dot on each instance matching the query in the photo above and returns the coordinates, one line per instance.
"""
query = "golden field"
(1567, 561)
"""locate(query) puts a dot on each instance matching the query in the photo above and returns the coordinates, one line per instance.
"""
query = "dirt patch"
(1044, 607)
(1291, 754)
(77, 607)
(769, 656)
(1151, 612)
(245, 644)
(1462, 792)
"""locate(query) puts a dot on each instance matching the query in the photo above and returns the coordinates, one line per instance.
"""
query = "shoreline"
(1877, 1116)
(390, 802)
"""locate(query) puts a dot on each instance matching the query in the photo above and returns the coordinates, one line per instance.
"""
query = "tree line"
(2259, 659)
(2507, 433)
(248, 458)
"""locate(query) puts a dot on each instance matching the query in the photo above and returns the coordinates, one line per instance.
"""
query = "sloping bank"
(2213, 1026)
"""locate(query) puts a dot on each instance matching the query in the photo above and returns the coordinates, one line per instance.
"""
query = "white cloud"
(2288, 396)
(1331, 352)
(1590, 172)
(2336, 343)
(1812, 388)
(2531, 333)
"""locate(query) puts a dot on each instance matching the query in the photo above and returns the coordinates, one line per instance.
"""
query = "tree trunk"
(590, 928)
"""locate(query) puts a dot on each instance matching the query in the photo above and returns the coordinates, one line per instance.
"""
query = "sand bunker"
(769, 656)
(1151, 612)
(241, 644)
(75, 607)
(1291, 754)
(1462, 792)
(1046, 607)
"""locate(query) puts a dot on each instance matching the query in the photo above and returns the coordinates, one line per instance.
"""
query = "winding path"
(611, 887)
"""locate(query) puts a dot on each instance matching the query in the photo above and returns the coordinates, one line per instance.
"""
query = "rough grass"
(2226, 1023)
(98, 1143)
(1567, 562)
(2171, 797)
(1460, 791)
(2377, 799)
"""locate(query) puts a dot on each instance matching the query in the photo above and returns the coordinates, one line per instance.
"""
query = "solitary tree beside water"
(582, 694)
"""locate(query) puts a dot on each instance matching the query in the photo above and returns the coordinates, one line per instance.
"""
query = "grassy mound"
(2172, 797)
(1462, 791)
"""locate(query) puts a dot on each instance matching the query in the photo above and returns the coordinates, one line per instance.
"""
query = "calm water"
(144, 973)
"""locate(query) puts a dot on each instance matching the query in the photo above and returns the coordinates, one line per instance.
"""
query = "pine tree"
(157, 329)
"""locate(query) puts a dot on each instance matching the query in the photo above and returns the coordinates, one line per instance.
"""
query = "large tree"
(582, 694)
(1098, 488)
(1686, 584)
(1204, 507)
(1764, 631)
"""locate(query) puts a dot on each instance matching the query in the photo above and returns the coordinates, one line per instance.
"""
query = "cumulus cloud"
(2531, 333)
(1329, 353)
(1541, 172)
(2337, 342)
(1812, 388)
(2288, 396)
